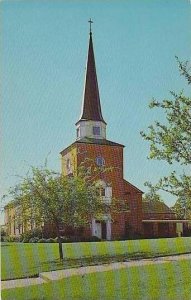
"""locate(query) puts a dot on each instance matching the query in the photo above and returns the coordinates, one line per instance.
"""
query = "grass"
(28, 260)
(169, 281)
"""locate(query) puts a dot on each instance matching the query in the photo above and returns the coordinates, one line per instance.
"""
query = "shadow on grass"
(92, 260)
(53, 265)
(5, 245)
(56, 264)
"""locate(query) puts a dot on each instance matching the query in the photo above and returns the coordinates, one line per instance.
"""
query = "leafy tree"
(182, 208)
(184, 69)
(171, 141)
(152, 196)
(49, 197)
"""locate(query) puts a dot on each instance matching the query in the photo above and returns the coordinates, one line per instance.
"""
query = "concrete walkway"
(14, 283)
(60, 274)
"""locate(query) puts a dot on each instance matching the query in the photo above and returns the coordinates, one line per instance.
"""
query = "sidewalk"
(45, 277)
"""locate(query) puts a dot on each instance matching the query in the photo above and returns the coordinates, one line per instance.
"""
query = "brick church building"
(140, 218)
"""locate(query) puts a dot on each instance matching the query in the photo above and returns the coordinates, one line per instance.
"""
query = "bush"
(25, 240)
(35, 233)
(42, 240)
(71, 239)
(16, 239)
(92, 239)
(12, 239)
(64, 239)
(75, 239)
(34, 240)
(50, 240)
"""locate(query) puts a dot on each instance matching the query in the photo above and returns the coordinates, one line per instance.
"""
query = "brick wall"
(121, 189)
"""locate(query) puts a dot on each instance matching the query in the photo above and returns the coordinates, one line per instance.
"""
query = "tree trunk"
(60, 244)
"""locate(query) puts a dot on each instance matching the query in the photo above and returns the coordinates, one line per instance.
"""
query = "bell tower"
(91, 123)
(94, 151)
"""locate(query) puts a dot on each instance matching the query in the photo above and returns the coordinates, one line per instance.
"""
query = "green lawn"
(26, 260)
(165, 281)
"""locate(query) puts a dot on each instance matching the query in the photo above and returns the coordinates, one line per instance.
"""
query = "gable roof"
(133, 186)
(156, 207)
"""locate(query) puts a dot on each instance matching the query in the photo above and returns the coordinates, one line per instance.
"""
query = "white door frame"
(96, 230)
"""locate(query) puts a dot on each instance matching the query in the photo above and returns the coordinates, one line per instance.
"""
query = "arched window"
(105, 191)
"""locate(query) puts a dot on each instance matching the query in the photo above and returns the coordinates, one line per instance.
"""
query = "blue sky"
(44, 48)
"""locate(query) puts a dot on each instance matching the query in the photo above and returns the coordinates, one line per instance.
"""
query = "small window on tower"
(96, 130)
(78, 132)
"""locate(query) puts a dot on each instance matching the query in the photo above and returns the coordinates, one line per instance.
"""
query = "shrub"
(16, 239)
(92, 239)
(25, 240)
(42, 240)
(12, 239)
(26, 236)
(51, 240)
(64, 239)
(34, 240)
(76, 239)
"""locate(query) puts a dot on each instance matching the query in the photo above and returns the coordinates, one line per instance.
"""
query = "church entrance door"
(103, 230)
(98, 231)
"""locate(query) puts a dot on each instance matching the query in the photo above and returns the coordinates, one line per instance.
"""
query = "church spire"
(91, 123)
(91, 108)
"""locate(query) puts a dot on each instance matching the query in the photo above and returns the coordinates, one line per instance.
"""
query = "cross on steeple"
(90, 21)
